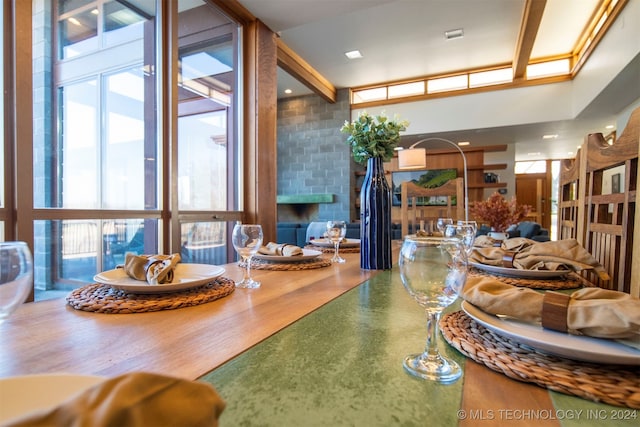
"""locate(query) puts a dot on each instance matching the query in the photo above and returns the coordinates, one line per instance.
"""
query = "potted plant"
(373, 140)
(499, 213)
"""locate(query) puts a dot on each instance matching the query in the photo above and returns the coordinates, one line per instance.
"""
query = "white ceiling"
(402, 39)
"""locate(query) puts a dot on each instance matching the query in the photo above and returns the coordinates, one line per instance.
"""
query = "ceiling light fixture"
(463, 143)
(454, 34)
(353, 54)
(288, 91)
(550, 136)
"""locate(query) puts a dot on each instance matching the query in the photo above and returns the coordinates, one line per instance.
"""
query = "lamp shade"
(412, 158)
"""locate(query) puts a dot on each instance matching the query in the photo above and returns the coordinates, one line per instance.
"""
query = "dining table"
(309, 347)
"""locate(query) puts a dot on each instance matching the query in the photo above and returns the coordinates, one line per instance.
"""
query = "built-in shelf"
(497, 166)
(488, 185)
(448, 158)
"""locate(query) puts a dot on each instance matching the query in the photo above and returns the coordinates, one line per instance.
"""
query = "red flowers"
(498, 212)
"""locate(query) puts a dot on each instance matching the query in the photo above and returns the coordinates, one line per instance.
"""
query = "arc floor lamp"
(416, 158)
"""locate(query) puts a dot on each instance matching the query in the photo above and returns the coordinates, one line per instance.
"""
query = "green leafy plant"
(498, 212)
(373, 136)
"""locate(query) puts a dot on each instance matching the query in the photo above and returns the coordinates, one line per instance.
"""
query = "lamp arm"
(464, 164)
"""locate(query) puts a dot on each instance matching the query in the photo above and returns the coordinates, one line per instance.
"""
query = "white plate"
(586, 349)
(22, 395)
(325, 243)
(307, 254)
(516, 272)
(185, 276)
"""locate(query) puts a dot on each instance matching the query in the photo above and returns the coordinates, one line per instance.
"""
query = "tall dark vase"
(375, 218)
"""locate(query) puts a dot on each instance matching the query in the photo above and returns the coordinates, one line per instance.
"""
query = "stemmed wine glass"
(336, 230)
(466, 231)
(442, 223)
(16, 274)
(433, 271)
(247, 239)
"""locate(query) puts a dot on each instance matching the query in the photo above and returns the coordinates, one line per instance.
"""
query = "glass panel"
(124, 135)
(85, 248)
(204, 242)
(206, 91)
(2, 204)
(78, 29)
(69, 5)
(202, 161)
(79, 149)
(535, 166)
(122, 24)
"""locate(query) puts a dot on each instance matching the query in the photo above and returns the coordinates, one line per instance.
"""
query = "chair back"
(414, 207)
(610, 202)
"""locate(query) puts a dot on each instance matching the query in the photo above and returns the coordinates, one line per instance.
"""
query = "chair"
(412, 212)
(610, 175)
(316, 230)
(598, 205)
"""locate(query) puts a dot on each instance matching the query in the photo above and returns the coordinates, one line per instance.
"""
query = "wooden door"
(533, 189)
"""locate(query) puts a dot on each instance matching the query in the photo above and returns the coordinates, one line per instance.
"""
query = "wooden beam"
(293, 64)
(533, 11)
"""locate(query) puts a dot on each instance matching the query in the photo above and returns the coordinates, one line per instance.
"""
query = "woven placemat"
(326, 250)
(616, 385)
(570, 281)
(260, 264)
(101, 298)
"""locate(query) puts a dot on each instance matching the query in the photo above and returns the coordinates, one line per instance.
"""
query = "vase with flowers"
(373, 140)
(499, 214)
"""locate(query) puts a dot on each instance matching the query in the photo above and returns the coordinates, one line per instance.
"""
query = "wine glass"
(442, 223)
(336, 231)
(466, 231)
(16, 274)
(433, 271)
(247, 239)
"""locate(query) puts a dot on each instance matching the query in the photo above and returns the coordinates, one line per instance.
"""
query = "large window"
(122, 162)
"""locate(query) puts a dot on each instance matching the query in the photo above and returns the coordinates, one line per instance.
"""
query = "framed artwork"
(615, 183)
(427, 178)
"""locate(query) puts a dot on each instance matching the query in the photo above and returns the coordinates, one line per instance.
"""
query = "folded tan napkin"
(590, 311)
(134, 400)
(155, 269)
(283, 249)
(526, 254)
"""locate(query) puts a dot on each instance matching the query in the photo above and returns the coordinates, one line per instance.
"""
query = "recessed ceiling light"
(288, 91)
(464, 143)
(610, 126)
(550, 136)
(353, 54)
(454, 34)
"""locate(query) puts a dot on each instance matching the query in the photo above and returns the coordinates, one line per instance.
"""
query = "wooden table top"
(50, 336)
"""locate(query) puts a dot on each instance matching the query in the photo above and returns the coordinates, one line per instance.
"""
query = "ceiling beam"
(293, 64)
(533, 11)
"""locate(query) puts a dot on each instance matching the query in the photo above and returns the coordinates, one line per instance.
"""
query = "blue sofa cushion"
(528, 229)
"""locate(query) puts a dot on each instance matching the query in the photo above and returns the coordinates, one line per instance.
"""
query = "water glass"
(336, 230)
(247, 239)
(442, 223)
(433, 271)
(16, 276)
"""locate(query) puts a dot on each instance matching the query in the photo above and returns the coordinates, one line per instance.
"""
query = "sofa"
(529, 229)
(295, 233)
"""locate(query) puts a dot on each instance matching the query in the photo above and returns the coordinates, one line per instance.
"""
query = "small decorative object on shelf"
(499, 214)
(373, 140)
